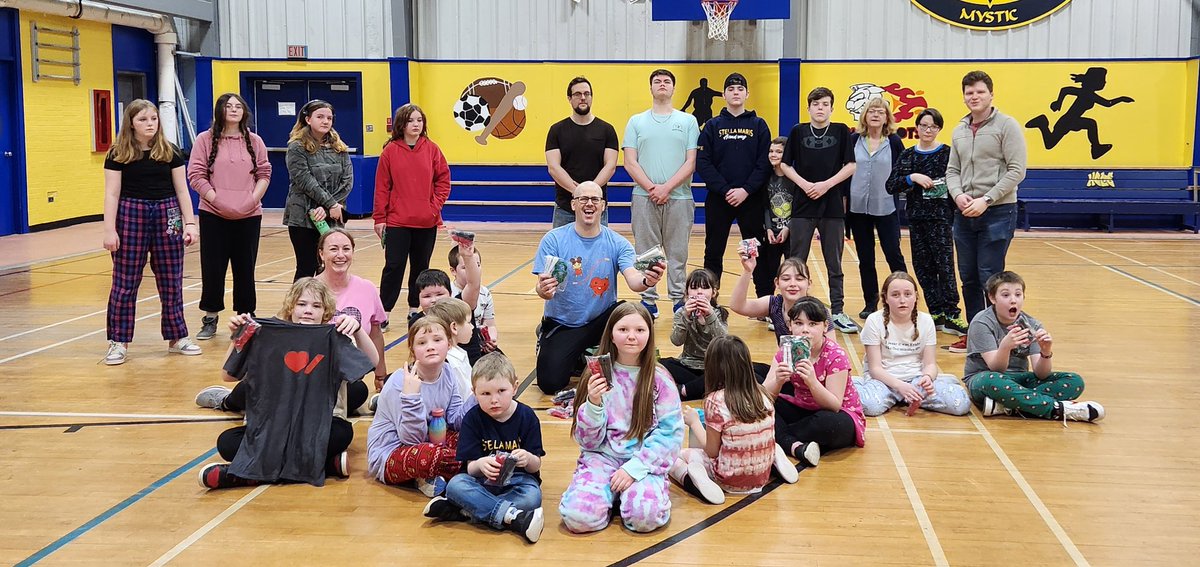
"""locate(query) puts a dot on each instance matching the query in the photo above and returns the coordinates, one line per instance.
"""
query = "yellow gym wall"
(1154, 131)
(58, 124)
(376, 88)
(621, 90)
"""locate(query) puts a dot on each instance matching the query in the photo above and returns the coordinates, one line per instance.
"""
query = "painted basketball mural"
(492, 107)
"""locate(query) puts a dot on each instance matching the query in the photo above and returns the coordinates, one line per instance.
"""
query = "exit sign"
(297, 52)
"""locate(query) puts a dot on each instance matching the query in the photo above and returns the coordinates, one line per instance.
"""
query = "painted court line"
(1121, 272)
(1038, 505)
(213, 523)
(105, 515)
(933, 431)
(910, 488)
(1143, 264)
(108, 415)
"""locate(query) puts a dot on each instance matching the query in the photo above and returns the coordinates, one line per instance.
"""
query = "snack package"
(795, 348)
(748, 248)
(244, 334)
(507, 467)
(912, 409)
(938, 191)
(602, 365)
(462, 237)
(556, 267)
(649, 258)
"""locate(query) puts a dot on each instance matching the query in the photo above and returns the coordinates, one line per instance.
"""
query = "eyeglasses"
(929, 127)
(586, 200)
(584, 94)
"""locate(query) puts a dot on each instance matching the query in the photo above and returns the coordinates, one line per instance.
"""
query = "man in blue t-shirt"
(577, 309)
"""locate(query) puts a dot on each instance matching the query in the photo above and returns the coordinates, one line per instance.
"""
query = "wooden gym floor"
(100, 463)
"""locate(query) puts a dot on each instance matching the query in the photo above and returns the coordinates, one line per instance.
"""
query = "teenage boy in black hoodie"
(733, 163)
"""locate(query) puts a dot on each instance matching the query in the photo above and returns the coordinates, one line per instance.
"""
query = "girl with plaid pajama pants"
(401, 447)
(629, 432)
(147, 210)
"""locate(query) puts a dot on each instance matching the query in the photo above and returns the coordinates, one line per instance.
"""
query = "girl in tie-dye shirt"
(629, 434)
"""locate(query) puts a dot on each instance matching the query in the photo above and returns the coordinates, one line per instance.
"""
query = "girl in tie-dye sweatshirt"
(629, 434)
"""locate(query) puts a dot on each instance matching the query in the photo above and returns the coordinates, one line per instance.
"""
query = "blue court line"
(1191, 300)
(104, 516)
(491, 285)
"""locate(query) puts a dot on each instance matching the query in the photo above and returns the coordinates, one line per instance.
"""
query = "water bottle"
(437, 426)
(321, 226)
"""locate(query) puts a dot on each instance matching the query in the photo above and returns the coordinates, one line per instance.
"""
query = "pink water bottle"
(437, 426)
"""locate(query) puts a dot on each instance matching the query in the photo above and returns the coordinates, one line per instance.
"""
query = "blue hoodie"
(733, 152)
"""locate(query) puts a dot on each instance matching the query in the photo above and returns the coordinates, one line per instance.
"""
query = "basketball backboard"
(690, 10)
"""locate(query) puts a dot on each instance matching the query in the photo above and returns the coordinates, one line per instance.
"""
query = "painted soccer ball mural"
(493, 107)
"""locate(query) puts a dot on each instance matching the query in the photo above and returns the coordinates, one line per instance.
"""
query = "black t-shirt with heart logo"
(292, 373)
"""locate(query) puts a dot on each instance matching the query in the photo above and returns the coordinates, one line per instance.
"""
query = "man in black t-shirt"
(579, 148)
(819, 159)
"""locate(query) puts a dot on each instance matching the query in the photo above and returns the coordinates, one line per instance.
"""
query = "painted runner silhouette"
(1086, 97)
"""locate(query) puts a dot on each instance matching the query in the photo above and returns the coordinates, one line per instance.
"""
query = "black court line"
(525, 383)
(698, 527)
(1189, 299)
(73, 427)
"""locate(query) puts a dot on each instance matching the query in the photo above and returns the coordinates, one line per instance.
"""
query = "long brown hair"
(400, 120)
(301, 132)
(126, 150)
(727, 367)
(887, 314)
(643, 397)
(218, 129)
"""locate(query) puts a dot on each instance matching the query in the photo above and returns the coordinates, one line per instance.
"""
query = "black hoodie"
(733, 152)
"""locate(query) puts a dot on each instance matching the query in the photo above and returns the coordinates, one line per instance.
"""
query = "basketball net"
(718, 12)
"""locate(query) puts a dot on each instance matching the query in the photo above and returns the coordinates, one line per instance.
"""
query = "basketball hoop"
(718, 12)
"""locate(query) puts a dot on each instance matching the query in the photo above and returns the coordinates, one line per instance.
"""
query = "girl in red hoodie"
(411, 185)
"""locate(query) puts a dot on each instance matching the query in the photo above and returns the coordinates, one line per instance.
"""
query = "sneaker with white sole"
(431, 487)
(373, 403)
(784, 466)
(959, 346)
(116, 353)
(809, 454)
(529, 523)
(696, 482)
(216, 475)
(208, 328)
(845, 324)
(341, 465)
(441, 508)
(212, 397)
(184, 346)
(652, 308)
(1081, 411)
(992, 407)
(956, 326)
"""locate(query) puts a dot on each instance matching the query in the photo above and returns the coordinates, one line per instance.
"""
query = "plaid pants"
(153, 227)
(410, 462)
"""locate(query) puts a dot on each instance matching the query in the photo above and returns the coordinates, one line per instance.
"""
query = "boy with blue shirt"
(660, 155)
(577, 309)
(497, 430)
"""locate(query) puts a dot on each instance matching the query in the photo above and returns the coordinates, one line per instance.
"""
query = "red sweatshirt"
(411, 185)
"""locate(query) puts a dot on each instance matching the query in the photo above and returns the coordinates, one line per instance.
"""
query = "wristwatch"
(988, 199)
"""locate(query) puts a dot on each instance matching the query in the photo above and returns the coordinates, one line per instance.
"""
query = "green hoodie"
(989, 162)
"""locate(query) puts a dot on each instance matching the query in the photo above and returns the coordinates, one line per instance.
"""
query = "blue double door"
(276, 101)
(13, 211)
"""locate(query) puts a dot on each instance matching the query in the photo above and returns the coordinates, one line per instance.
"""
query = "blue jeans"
(488, 504)
(562, 217)
(981, 243)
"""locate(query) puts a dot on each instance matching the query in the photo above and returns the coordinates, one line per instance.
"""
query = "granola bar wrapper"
(602, 365)
(649, 258)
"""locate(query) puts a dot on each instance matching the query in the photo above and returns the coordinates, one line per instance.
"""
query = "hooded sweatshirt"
(988, 162)
(733, 152)
(230, 175)
(411, 184)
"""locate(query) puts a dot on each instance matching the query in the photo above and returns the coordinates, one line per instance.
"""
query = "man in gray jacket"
(987, 161)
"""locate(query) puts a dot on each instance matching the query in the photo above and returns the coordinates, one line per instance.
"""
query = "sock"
(796, 446)
(682, 391)
(511, 514)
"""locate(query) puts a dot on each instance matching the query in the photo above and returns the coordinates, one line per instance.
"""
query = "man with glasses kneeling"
(577, 267)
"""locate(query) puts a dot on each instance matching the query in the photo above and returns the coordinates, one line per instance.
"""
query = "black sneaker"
(529, 523)
(954, 326)
(216, 475)
(208, 328)
(442, 509)
(866, 312)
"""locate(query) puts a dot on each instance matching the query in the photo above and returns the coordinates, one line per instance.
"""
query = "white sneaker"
(431, 487)
(212, 397)
(184, 346)
(784, 466)
(116, 353)
(697, 482)
(992, 407)
(1082, 411)
(810, 454)
(845, 324)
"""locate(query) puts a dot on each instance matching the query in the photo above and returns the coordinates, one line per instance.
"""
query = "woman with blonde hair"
(871, 209)
(320, 178)
(147, 212)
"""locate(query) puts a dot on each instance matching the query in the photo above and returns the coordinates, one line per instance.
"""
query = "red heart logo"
(599, 286)
(296, 361)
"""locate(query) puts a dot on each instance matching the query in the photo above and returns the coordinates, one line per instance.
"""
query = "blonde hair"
(427, 323)
(318, 289)
(126, 150)
(645, 393)
(887, 314)
(301, 132)
(451, 310)
(889, 125)
(491, 366)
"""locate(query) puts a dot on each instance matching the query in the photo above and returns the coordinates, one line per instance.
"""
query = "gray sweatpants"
(832, 231)
(949, 395)
(669, 226)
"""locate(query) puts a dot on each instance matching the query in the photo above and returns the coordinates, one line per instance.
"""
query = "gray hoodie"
(988, 162)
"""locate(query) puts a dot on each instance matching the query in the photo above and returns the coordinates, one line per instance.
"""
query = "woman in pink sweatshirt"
(230, 172)
(411, 185)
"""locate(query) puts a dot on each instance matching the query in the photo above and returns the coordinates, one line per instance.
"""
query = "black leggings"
(404, 245)
(690, 380)
(304, 245)
(226, 243)
(831, 430)
(560, 350)
(356, 396)
(341, 433)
